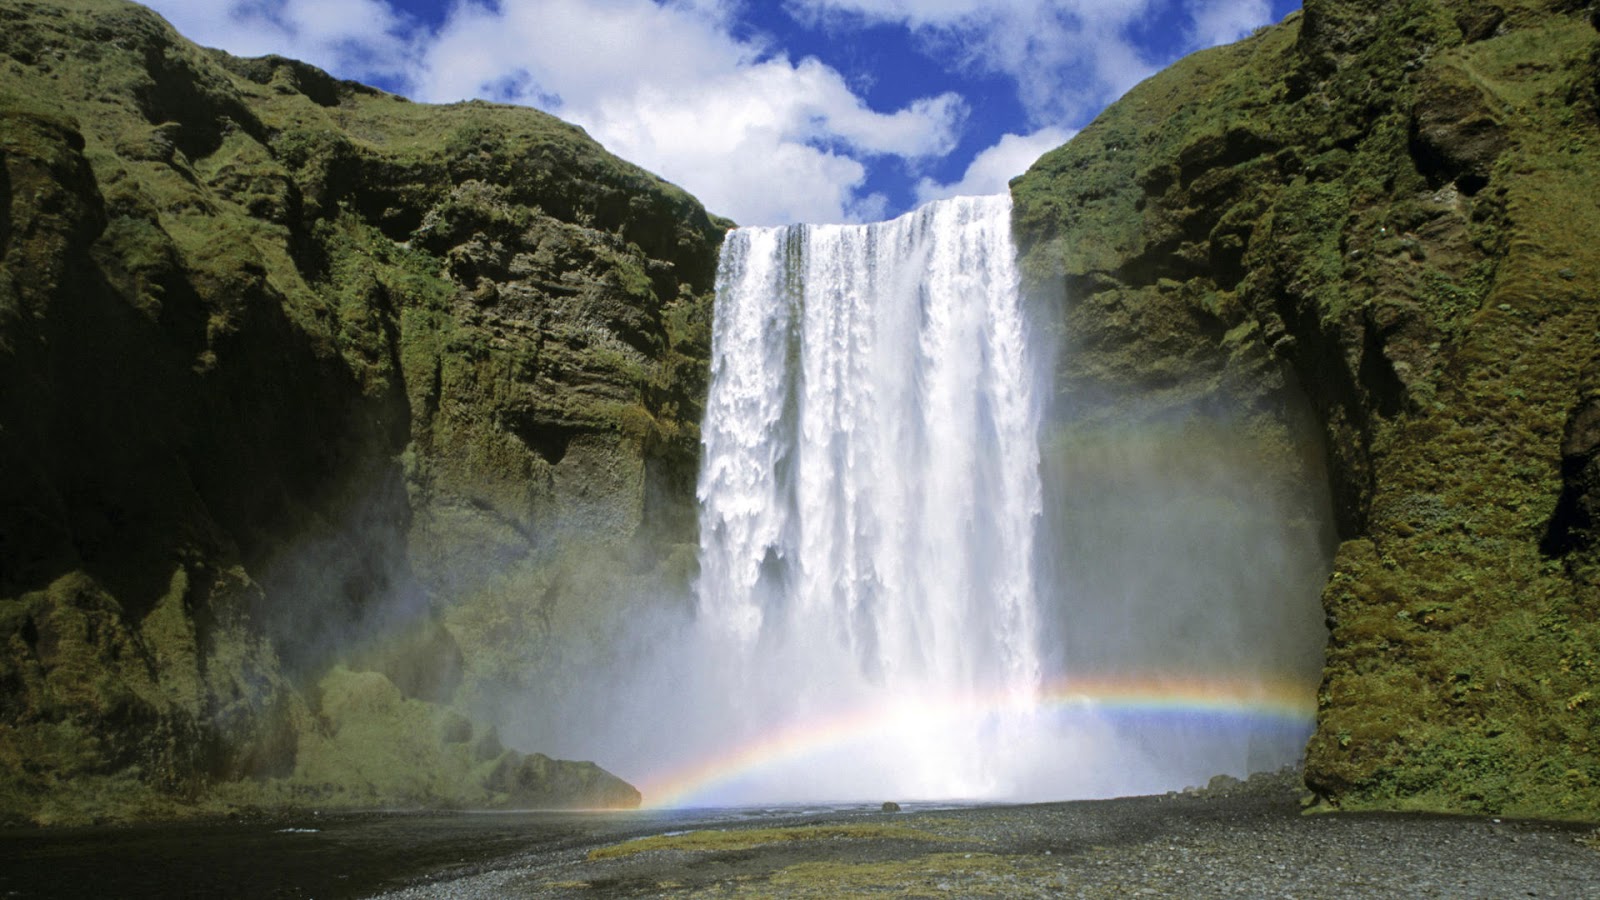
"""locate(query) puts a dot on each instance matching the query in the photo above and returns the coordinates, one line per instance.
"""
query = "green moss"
(749, 838)
(1398, 246)
(352, 322)
(377, 747)
(920, 874)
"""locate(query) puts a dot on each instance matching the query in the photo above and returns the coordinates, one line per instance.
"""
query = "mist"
(923, 578)
(1189, 548)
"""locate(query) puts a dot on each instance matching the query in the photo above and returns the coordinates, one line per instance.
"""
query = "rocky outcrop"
(1385, 208)
(305, 391)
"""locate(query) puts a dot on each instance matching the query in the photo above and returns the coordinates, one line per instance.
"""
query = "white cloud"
(356, 38)
(1226, 21)
(1069, 58)
(992, 170)
(759, 138)
(754, 134)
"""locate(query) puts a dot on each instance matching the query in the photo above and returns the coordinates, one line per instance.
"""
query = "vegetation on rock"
(295, 377)
(329, 421)
(1388, 207)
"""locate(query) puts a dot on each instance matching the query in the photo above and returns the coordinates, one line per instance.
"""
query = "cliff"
(303, 389)
(331, 422)
(1385, 210)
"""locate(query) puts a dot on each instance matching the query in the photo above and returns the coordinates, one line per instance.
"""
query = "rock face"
(1389, 209)
(330, 422)
(307, 393)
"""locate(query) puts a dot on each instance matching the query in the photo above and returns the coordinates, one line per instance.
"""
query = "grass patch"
(939, 874)
(750, 838)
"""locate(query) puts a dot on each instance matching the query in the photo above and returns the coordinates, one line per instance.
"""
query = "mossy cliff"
(312, 401)
(329, 421)
(1389, 208)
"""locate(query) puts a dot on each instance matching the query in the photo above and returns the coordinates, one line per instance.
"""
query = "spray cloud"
(899, 596)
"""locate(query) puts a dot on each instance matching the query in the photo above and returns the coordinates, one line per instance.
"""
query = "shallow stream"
(320, 856)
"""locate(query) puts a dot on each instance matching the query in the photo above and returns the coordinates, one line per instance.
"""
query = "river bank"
(1237, 842)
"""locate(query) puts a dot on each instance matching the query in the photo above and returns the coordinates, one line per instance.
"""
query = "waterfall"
(905, 593)
(870, 488)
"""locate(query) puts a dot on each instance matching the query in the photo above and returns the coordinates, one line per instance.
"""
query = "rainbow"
(1280, 703)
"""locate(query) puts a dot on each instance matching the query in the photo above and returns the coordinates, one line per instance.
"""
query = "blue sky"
(770, 112)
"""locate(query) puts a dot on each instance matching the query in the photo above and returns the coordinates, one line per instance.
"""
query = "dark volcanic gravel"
(1248, 844)
(1236, 841)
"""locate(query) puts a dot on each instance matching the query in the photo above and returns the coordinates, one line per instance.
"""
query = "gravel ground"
(1244, 843)
(1235, 840)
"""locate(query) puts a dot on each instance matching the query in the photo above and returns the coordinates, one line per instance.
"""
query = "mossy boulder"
(1386, 208)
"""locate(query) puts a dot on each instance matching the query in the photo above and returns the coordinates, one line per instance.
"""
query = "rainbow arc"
(1220, 702)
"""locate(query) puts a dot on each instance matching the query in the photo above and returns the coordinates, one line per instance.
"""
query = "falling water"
(870, 486)
(888, 609)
